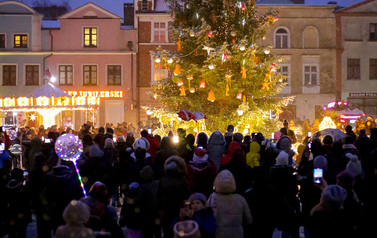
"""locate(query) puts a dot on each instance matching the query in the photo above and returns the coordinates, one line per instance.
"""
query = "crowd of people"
(219, 185)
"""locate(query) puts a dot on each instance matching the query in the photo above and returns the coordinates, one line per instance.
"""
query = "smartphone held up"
(317, 175)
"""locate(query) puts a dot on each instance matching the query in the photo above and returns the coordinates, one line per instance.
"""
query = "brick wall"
(145, 32)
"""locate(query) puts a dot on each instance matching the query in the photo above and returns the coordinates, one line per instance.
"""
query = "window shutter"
(149, 5)
(139, 5)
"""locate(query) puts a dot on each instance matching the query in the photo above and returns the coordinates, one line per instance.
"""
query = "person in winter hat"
(201, 173)
(231, 210)
(284, 144)
(75, 215)
(132, 212)
(320, 162)
(354, 165)
(216, 147)
(238, 137)
(253, 157)
(172, 191)
(328, 218)
(142, 143)
(197, 211)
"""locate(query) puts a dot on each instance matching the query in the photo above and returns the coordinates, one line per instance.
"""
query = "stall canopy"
(49, 90)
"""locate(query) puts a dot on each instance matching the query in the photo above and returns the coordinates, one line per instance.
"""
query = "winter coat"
(200, 177)
(172, 191)
(62, 186)
(36, 146)
(153, 147)
(216, 147)
(75, 215)
(18, 196)
(103, 216)
(253, 157)
(227, 157)
(331, 223)
(231, 210)
(283, 180)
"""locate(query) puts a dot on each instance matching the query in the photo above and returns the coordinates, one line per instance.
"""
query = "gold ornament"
(228, 84)
(183, 91)
(179, 44)
(211, 96)
(266, 85)
(243, 72)
(177, 70)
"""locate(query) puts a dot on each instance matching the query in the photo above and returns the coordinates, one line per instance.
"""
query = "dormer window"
(90, 37)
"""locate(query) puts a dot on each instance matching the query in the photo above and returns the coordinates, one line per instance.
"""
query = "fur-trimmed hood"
(175, 165)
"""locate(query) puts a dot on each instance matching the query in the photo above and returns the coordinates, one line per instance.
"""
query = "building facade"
(152, 20)
(357, 55)
(87, 51)
(304, 38)
(23, 54)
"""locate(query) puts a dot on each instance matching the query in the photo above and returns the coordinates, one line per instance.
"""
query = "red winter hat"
(200, 155)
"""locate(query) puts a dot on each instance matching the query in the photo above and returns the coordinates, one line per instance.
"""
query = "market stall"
(44, 104)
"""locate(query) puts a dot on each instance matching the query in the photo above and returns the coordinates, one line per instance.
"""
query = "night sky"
(116, 6)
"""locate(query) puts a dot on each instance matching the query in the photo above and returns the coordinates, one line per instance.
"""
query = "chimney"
(128, 18)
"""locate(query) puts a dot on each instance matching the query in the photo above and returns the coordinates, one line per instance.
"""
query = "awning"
(48, 90)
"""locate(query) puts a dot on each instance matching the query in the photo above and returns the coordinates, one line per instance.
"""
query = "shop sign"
(97, 94)
(363, 94)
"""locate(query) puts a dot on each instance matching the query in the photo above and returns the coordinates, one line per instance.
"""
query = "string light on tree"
(326, 123)
(229, 41)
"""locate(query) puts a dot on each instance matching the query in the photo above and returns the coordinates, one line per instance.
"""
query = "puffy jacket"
(253, 157)
(216, 147)
(231, 210)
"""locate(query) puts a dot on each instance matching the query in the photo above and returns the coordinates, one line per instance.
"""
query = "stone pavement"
(32, 230)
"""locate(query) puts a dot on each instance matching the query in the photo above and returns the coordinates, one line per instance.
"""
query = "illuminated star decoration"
(208, 49)
(266, 85)
(243, 72)
(32, 117)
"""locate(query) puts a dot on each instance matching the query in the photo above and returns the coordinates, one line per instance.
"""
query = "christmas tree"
(219, 68)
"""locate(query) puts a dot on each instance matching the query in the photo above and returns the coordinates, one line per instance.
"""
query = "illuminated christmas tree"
(219, 68)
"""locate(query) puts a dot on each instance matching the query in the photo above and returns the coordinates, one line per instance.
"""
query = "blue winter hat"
(198, 196)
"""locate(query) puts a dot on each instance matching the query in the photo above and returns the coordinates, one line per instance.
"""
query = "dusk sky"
(116, 6)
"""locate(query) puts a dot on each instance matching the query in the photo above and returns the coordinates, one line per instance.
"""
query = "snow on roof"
(50, 24)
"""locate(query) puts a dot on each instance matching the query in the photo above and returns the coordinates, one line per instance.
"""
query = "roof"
(274, 2)
(89, 4)
(354, 6)
(50, 24)
(26, 9)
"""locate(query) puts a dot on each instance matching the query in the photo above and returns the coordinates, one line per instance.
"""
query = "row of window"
(282, 36)
(353, 69)
(90, 75)
(90, 34)
(19, 41)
